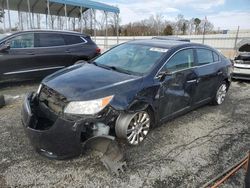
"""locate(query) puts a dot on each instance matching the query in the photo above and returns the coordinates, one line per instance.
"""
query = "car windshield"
(131, 58)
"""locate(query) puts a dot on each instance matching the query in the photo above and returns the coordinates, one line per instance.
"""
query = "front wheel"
(220, 94)
(133, 127)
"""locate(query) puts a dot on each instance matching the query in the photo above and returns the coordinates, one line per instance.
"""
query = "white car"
(241, 68)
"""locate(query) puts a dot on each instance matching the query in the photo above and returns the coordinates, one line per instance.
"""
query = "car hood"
(87, 82)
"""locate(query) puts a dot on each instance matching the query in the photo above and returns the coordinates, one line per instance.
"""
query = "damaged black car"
(123, 93)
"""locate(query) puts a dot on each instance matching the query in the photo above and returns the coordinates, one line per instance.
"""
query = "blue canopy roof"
(57, 6)
(88, 4)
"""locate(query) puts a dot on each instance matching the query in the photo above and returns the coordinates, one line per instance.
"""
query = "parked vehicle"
(242, 65)
(123, 93)
(35, 54)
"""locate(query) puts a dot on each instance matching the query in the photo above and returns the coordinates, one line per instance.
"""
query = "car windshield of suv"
(131, 58)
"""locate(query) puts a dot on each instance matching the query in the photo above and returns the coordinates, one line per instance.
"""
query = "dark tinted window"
(182, 60)
(73, 39)
(216, 57)
(22, 41)
(50, 39)
(204, 56)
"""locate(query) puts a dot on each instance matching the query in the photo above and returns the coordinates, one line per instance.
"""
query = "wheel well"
(227, 82)
(140, 106)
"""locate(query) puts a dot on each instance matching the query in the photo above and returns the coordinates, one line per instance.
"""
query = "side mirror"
(5, 47)
(162, 75)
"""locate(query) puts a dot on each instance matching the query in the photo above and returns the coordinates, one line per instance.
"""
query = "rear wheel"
(133, 127)
(220, 94)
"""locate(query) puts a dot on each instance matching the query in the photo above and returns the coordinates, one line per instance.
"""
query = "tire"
(133, 127)
(220, 94)
(2, 101)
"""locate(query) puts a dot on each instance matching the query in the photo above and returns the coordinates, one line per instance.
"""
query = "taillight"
(98, 50)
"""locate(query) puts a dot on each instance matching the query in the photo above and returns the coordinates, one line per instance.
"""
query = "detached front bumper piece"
(60, 141)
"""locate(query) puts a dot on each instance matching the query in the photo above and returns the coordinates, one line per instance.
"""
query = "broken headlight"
(87, 107)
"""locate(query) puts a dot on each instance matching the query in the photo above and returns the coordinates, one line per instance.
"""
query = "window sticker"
(162, 50)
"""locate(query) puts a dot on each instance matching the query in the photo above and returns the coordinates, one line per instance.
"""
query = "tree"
(184, 28)
(1, 15)
(168, 30)
(197, 22)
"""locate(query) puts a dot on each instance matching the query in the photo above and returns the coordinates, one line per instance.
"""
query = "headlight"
(239, 61)
(87, 107)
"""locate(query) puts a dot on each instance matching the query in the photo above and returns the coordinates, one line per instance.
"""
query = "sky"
(224, 14)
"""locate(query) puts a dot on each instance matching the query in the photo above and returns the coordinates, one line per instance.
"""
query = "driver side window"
(182, 60)
(22, 41)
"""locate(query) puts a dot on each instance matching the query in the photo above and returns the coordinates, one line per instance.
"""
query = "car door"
(53, 53)
(177, 89)
(208, 74)
(18, 61)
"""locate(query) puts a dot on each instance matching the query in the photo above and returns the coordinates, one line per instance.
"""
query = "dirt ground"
(185, 152)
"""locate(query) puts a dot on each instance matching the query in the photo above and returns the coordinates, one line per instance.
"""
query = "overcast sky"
(226, 14)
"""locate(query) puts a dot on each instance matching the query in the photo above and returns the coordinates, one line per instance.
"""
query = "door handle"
(30, 53)
(219, 73)
(192, 81)
(67, 51)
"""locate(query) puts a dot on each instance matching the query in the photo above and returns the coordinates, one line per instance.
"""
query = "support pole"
(4, 27)
(65, 14)
(94, 11)
(8, 8)
(49, 17)
(81, 20)
(21, 20)
(106, 29)
(117, 27)
(30, 22)
(91, 22)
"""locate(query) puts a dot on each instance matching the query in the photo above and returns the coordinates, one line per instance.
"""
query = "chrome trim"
(189, 67)
(191, 81)
(33, 70)
(238, 65)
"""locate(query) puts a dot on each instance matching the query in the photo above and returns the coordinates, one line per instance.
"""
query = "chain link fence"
(225, 43)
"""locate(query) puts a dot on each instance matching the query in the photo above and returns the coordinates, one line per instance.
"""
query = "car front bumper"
(241, 72)
(61, 140)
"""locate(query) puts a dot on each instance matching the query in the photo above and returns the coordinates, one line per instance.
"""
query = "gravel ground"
(185, 152)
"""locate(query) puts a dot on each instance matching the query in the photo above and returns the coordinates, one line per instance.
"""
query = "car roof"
(171, 38)
(50, 31)
(168, 44)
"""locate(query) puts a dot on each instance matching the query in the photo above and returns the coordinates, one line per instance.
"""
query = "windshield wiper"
(112, 68)
(118, 69)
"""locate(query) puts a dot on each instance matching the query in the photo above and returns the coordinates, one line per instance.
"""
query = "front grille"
(52, 99)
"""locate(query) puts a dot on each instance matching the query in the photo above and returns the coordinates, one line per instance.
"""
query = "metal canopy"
(67, 9)
(56, 7)
(88, 4)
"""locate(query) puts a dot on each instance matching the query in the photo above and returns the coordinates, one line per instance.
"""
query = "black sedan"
(123, 93)
(35, 54)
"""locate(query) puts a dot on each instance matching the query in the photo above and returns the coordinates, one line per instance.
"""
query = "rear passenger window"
(216, 57)
(182, 60)
(50, 39)
(204, 56)
(73, 39)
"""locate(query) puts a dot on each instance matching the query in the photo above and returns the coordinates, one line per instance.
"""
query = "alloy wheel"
(138, 128)
(221, 93)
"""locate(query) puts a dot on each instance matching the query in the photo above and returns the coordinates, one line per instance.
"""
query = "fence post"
(236, 39)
